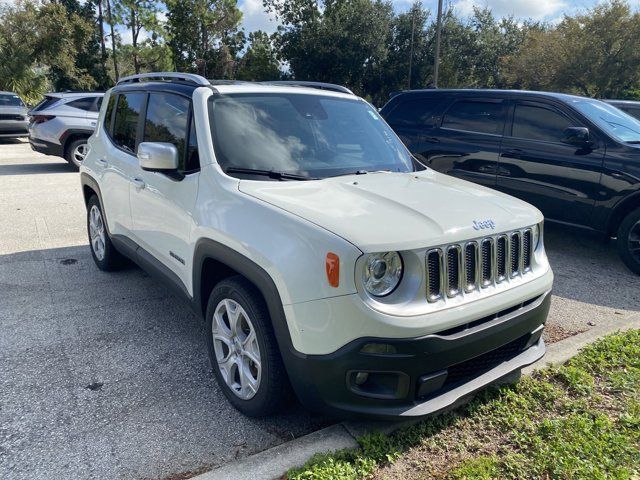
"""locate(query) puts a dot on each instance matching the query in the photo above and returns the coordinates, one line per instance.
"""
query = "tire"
(104, 254)
(259, 388)
(628, 242)
(76, 151)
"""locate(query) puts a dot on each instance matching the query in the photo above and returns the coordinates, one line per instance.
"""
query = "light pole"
(436, 61)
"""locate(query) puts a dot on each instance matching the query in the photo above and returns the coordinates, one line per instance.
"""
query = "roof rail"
(319, 85)
(166, 76)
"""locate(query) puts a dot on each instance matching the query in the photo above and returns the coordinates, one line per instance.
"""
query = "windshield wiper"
(270, 173)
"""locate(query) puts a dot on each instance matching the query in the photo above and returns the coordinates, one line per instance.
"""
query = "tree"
(203, 35)
(40, 43)
(341, 41)
(260, 61)
(137, 15)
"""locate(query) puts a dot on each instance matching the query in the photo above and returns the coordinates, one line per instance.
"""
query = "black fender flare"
(210, 249)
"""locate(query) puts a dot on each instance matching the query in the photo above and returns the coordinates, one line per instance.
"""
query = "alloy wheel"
(96, 232)
(236, 348)
(79, 153)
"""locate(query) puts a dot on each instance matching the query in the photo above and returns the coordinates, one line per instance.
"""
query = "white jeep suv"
(321, 255)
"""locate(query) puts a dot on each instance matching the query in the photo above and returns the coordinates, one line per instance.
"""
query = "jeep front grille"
(457, 269)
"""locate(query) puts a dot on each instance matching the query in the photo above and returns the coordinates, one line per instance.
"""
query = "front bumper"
(421, 376)
(14, 129)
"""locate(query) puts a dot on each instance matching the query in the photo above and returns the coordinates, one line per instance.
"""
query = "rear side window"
(125, 126)
(85, 103)
(475, 116)
(108, 116)
(45, 103)
(539, 123)
(416, 112)
(167, 121)
(98, 104)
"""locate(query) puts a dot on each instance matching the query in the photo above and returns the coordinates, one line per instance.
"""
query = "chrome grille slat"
(460, 269)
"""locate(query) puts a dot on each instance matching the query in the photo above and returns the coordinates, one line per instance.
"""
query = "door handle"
(512, 153)
(102, 162)
(138, 183)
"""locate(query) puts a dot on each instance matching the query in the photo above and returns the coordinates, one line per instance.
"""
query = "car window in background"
(46, 102)
(475, 116)
(125, 126)
(10, 100)
(85, 103)
(634, 112)
(413, 113)
(612, 120)
(539, 123)
(97, 105)
(167, 121)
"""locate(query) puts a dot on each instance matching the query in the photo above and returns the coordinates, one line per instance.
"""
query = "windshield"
(10, 101)
(299, 134)
(615, 122)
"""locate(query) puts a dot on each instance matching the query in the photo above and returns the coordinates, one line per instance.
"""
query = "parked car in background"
(61, 124)
(629, 106)
(575, 158)
(14, 121)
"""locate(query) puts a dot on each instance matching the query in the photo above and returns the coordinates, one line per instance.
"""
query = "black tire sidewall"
(69, 151)
(622, 243)
(112, 258)
(273, 390)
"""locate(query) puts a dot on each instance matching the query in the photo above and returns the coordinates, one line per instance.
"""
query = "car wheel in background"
(629, 241)
(103, 252)
(243, 350)
(76, 152)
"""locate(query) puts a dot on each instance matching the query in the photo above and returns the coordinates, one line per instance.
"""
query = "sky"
(254, 17)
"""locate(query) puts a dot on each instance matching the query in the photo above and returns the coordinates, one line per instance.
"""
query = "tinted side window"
(96, 106)
(414, 112)
(108, 116)
(126, 121)
(193, 158)
(475, 116)
(83, 103)
(539, 123)
(167, 121)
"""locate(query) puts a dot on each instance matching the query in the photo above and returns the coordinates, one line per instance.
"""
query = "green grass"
(577, 421)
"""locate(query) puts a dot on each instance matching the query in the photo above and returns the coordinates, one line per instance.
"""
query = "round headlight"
(382, 273)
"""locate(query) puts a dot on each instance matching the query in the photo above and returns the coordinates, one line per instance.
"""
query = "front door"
(162, 204)
(560, 179)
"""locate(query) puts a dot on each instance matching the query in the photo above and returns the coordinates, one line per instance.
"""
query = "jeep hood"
(397, 211)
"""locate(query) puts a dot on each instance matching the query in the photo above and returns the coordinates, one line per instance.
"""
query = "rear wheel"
(243, 350)
(103, 252)
(629, 241)
(76, 152)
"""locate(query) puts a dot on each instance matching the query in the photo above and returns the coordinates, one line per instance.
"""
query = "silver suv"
(13, 116)
(61, 124)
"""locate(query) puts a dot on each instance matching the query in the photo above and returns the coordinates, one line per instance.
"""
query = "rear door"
(468, 140)
(560, 179)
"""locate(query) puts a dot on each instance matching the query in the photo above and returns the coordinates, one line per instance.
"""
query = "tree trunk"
(134, 40)
(103, 48)
(113, 41)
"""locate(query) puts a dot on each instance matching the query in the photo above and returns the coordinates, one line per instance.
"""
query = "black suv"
(576, 159)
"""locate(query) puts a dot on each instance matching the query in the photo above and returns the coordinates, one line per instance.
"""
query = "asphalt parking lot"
(106, 375)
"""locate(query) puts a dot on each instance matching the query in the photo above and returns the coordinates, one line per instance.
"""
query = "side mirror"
(158, 157)
(577, 136)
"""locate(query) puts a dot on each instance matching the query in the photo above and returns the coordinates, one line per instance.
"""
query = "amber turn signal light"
(332, 264)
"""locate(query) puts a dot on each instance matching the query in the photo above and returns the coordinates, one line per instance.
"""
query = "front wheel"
(243, 350)
(629, 241)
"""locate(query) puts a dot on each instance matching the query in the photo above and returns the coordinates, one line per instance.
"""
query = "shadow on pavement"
(36, 168)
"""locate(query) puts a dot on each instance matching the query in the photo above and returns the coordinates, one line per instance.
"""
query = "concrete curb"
(273, 463)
